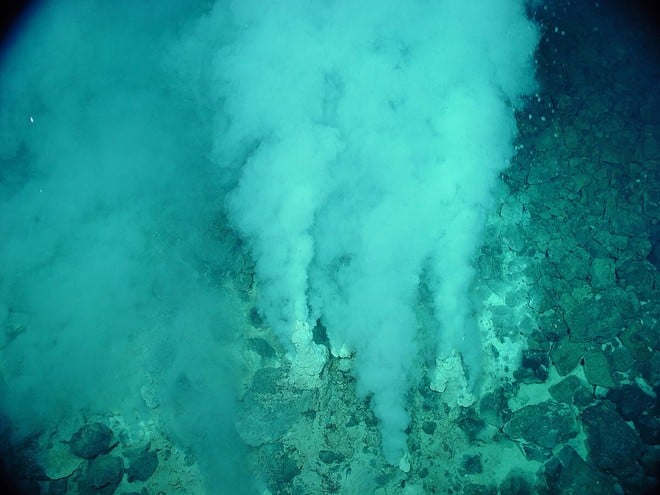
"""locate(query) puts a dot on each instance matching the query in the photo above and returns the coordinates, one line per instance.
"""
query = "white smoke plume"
(367, 140)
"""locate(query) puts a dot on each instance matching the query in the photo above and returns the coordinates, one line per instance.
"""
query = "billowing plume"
(363, 142)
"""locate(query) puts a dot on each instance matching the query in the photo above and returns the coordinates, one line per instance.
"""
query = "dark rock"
(478, 489)
(613, 445)
(24, 464)
(551, 322)
(602, 273)
(91, 440)
(564, 391)
(630, 401)
(429, 427)
(58, 487)
(534, 368)
(597, 369)
(640, 339)
(267, 380)
(651, 460)
(320, 334)
(261, 347)
(255, 318)
(471, 464)
(569, 473)
(574, 265)
(648, 426)
(494, 408)
(471, 423)
(583, 397)
(598, 320)
(566, 356)
(24, 487)
(278, 468)
(621, 360)
(516, 484)
(330, 457)
(142, 467)
(545, 425)
(5, 436)
(533, 452)
(383, 479)
(640, 275)
(103, 476)
(424, 389)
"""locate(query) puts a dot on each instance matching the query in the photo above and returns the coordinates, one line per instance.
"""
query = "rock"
(621, 360)
(494, 408)
(569, 473)
(654, 255)
(640, 340)
(551, 321)
(503, 318)
(638, 275)
(512, 211)
(330, 457)
(429, 427)
(624, 221)
(60, 462)
(583, 397)
(267, 381)
(602, 273)
(103, 476)
(597, 369)
(471, 464)
(91, 440)
(546, 424)
(630, 401)
(277, 467)
(571, 137)
(261, 347)
(471, 424)
(479, 489)
(255, 318)
(648, 426)
(613, 445)
(566, 355)
(564, 391)
(633, 404)
(572, 267)
(535, 366)
(58, 487)
(142, 466)
(269, 409)
(597, 320)
(24, 464)
(516, 484)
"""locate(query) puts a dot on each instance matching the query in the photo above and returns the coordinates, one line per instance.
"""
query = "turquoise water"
(329, 247)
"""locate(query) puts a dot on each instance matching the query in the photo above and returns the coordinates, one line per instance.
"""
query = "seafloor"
(567, 276)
